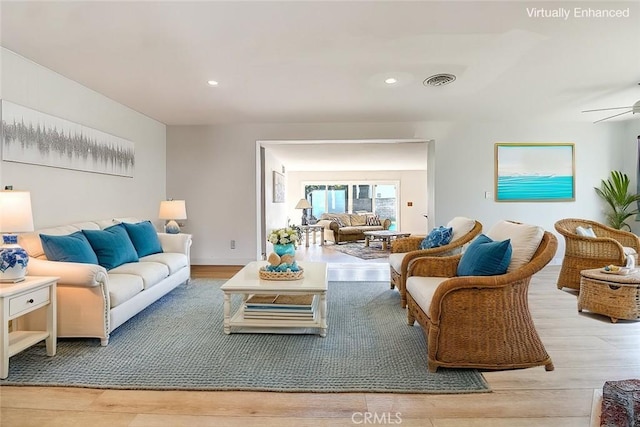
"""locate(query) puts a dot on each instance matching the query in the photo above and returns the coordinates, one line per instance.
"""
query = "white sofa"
(93, 302)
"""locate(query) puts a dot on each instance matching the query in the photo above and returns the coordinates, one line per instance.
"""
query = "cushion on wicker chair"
(422, 290)
(585, 232)
(461, 226)
(525, 239)
(395, 260)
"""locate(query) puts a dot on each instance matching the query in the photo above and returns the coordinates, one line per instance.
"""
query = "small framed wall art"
(278, 187)
(534, 172)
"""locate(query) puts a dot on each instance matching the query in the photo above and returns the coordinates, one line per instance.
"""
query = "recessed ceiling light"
(212, 83)
(390, 80)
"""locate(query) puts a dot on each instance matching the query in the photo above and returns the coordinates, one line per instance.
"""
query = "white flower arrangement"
(283, 236)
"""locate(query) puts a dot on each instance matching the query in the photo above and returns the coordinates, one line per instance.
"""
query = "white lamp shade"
(173, 209)
(303, 204)
(15, 212)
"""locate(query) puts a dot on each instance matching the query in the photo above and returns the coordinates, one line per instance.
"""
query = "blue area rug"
(178, 343)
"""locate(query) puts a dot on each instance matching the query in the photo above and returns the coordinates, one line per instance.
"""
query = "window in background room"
(317, 197)
(355, 197)
(337, 199)
(362, 198)
(386, 203)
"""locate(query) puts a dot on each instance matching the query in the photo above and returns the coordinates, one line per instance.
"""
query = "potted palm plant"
(615, 191)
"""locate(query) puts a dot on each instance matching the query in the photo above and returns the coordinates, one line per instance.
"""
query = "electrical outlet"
(233, 244)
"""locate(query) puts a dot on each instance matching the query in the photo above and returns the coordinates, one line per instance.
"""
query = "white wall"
(413, 188)
(215, 167)
(61, 196)
(275, 213)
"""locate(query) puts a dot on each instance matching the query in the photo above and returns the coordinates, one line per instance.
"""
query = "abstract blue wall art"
(30, 136)
(534, 172)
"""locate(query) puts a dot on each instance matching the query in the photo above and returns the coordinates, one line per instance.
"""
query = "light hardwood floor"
(587, 350)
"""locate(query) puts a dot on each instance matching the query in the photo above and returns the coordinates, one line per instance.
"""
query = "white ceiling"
(325, 61)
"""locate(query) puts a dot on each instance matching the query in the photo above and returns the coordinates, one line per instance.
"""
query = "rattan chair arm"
(406, 244)
(594, 247)
(625, 238)
(431, 266)
(457, 287)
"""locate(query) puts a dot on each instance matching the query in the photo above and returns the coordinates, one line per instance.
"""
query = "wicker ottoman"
(613, 295)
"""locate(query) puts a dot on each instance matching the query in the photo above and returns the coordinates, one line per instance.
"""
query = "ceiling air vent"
(439, 80)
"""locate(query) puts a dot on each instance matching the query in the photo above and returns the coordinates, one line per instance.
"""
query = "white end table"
(18, 299)
(309, 228)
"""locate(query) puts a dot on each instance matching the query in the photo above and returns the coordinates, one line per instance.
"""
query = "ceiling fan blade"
(605, 109)
(611, 117)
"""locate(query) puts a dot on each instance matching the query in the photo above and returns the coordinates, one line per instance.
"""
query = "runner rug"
(178, 343)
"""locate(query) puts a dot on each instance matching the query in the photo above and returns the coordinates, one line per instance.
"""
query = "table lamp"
(15, 217)
(171, 210)
(304, 205)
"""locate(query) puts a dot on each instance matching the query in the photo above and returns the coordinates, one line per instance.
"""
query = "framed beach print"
(278, 187)
(534, 172)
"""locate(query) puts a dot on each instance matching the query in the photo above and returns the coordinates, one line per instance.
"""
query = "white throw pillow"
(461, 226)
(585, 232)
(525, 239)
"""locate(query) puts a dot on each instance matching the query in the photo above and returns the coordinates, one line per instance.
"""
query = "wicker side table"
(613, 295)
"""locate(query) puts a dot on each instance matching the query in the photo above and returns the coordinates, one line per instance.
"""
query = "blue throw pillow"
(70, 248)
(144, 238)
(439, 236)
(112, 246)
(485, 257)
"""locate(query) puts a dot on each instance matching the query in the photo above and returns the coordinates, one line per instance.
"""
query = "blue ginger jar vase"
(13, 259)
(288, 249)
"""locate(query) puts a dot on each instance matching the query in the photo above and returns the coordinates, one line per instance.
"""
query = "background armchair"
(479, 321)
(405, 250)
(610, 246)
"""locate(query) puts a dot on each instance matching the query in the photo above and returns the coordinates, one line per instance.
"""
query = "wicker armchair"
(583, 253)
(478, 321)
(411, 246)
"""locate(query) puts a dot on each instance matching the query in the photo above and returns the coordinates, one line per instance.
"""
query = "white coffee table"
(248, 283)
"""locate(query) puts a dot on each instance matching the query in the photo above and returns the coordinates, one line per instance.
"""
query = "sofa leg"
(104, 341)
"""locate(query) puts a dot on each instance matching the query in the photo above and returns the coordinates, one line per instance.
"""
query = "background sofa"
(340, 228)
(93, 300)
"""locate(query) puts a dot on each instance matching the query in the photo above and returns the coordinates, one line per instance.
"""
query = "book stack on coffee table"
(281, 307)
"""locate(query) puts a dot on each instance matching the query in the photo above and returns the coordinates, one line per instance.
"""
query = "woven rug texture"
(359, 250)
(178, 343)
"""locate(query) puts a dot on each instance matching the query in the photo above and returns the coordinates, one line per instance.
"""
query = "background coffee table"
(385, 235)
